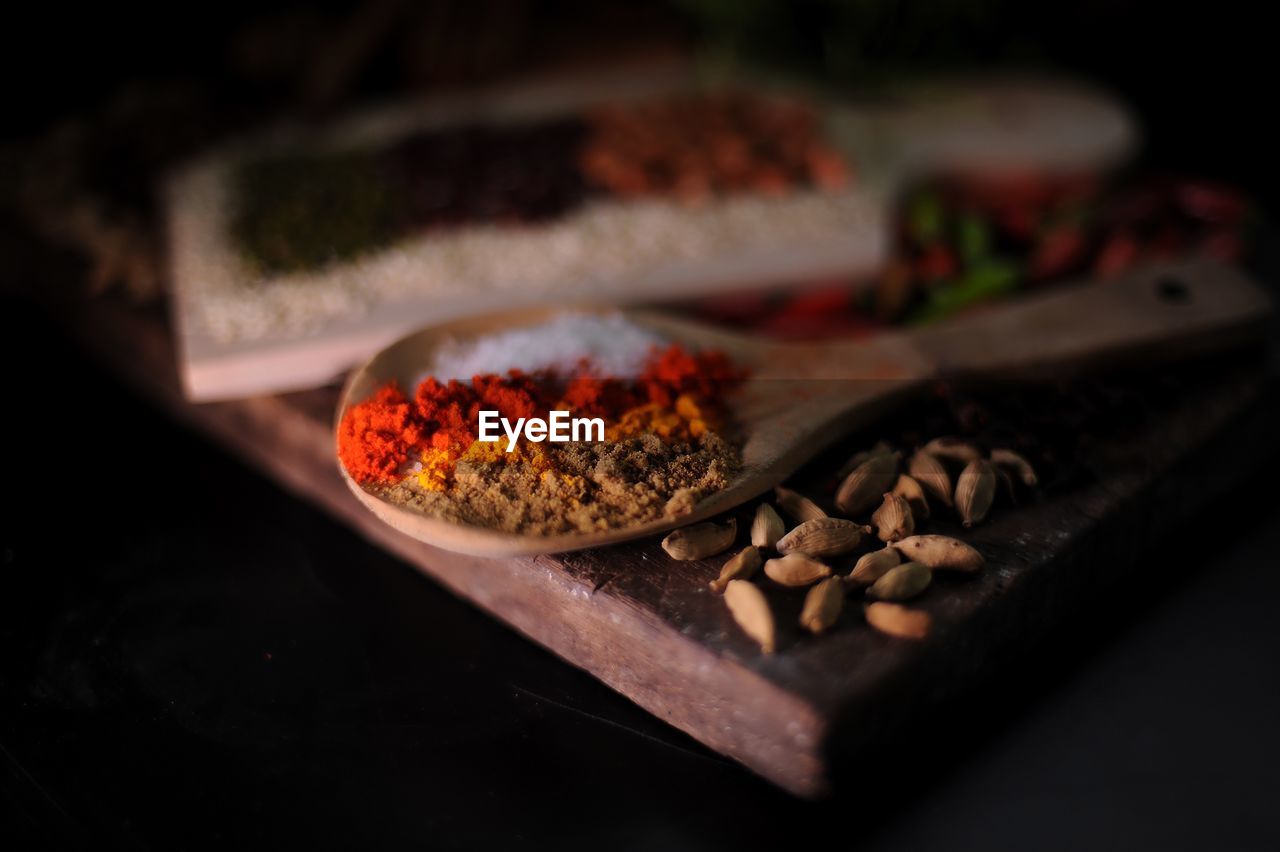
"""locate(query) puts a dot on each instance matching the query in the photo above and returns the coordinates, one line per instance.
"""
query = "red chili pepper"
(1223, 245)
(937, 262)
(1210, 202)
(1057, 251)
(1117, 255)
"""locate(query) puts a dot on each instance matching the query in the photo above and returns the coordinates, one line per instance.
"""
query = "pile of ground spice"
(663, 449)
(693, 147)
(299, 212)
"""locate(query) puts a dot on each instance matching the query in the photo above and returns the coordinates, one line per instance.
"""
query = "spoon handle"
(808, 394)
(1159, 310)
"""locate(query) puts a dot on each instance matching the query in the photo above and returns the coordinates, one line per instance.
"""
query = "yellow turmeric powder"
(685, 421)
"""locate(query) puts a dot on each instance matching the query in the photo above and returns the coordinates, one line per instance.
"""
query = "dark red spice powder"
(444, 410)
(675, 372)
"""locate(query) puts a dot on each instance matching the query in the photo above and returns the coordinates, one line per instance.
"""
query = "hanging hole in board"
(1173, 290)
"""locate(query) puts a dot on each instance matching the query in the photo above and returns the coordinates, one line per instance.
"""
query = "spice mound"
(663, 439)
(300, 212)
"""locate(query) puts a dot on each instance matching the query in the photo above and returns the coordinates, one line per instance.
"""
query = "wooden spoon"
(802, 396)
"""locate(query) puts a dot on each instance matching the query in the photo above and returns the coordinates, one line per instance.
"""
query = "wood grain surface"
(649, 628)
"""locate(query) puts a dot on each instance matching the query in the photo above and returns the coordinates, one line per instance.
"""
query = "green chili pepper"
(925, 217)
(986, 280)
(973, 237)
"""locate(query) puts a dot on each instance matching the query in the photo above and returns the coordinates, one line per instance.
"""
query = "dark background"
(1200, 73)
(209, 662)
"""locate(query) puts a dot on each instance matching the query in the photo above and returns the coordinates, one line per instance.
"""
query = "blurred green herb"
(985, 280)
(300, 213)
(973, 237)
(926, 218)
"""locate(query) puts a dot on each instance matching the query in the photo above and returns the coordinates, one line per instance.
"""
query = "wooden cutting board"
(242, 333)
(649, 628)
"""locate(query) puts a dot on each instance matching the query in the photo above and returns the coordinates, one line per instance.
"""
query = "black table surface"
(197, 659)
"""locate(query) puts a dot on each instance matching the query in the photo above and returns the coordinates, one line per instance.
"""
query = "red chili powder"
(377, 436)
(591, 396)
(674, 371)
(444, 410)
(517, 395)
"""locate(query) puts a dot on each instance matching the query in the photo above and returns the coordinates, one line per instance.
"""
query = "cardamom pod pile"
(898, 500)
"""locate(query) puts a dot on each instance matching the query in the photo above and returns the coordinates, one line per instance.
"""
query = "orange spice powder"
(377, 436)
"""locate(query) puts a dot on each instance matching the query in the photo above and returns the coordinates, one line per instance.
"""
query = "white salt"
(615, 346)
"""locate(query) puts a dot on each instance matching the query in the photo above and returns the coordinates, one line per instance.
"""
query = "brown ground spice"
(580, 487)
